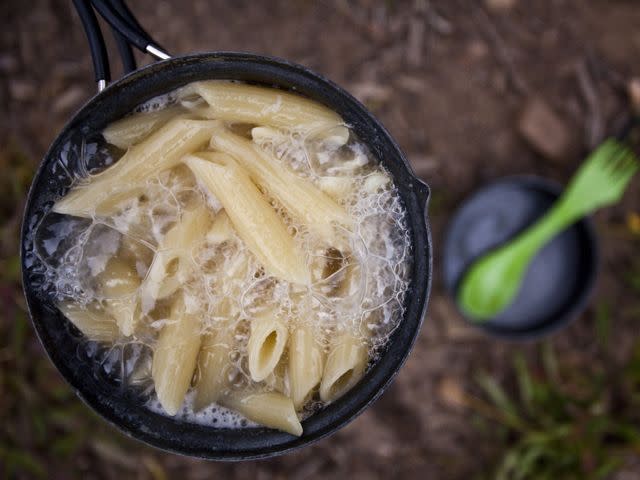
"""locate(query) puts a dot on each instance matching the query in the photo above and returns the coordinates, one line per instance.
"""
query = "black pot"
(61, 341)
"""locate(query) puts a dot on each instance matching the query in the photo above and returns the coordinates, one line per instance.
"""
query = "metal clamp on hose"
(127, 32)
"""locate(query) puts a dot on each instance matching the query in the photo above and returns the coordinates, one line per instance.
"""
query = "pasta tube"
(305, 365)
(213, 364)
(333, 138)
(132, 129)
(240, 103)
(175, 356)
(266, 344)
(336, 187)
(118, 283)
(272, 410)
(299, 196)
(172, 263)
(160, 151)
(345, 366)
(95, 325)
(221, 229)
(255, 222)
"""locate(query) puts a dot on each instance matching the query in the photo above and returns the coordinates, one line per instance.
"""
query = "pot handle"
(422, 190)
(126, 29)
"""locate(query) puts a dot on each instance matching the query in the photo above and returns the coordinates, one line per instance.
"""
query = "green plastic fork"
(492, 282)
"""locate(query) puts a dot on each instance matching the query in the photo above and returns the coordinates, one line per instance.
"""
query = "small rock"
(369, 92)
(477, 50)
(633, 89)
(454, 327)
(500, 5)
(451, 393)
(69, 99)
(21, 91)
(545, 130)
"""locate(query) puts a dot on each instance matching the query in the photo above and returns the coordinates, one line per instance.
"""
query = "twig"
(436, 21)
(372, 31)
(504, 55)
(594, 129)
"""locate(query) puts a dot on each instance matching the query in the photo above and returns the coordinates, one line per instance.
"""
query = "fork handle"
(559, 217)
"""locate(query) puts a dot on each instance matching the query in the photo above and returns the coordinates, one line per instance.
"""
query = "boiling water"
(228, 285)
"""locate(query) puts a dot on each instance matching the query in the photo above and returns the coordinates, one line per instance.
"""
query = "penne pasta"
(252, 217)
(221, 229)
(345, 366)
(376, 181)
(172, 263)
(336, 187)
(278, 380)
(266, 344)
(160, 151)
(271, 409)
(135, 128)
(228, 252)
(118, 284)
(96, 325)
(299, 196)
(332, 138)
(305, 365)
(240, 103)
(214, 366)
(175, 356)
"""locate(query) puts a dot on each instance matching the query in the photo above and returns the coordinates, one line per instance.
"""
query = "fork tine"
(618, 160)
(626, 173)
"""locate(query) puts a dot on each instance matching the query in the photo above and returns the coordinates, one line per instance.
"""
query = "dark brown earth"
(450, 80)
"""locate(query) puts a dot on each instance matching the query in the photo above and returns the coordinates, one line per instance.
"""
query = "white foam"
(213, 415)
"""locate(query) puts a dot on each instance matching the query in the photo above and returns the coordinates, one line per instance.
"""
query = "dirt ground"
(450, 79)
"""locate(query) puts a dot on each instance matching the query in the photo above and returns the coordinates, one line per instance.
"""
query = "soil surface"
(453, 81)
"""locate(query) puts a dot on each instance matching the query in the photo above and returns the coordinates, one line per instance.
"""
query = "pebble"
(633, 89)
(69, 99)
(21, 90)
(545, 131)
(500, 5)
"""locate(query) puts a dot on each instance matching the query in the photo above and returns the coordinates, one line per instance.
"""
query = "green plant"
(569, 427)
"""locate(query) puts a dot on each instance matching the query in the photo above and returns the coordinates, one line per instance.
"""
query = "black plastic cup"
(559, 280)
(62, 341)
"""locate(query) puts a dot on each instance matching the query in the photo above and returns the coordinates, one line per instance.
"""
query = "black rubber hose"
(126, 52)
(138, 39)
(95, 39)
(125, 12)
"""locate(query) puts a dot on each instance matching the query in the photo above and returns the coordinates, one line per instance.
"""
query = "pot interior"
(63, 342)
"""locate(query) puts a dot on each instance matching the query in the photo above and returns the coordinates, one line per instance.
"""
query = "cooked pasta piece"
(345, 366)
(376, 182)
(135, 128)
(172, 263)
(278, 380)
(96, 325)
(240, 103)
(271, 409)
(161, 151)
(221, 229)
(305, 364)
(175, 356)
(214, 366)
(266, 344)
(332, 138)
(118, 284)
(299, 196)
(257, 224)
(336, 187)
